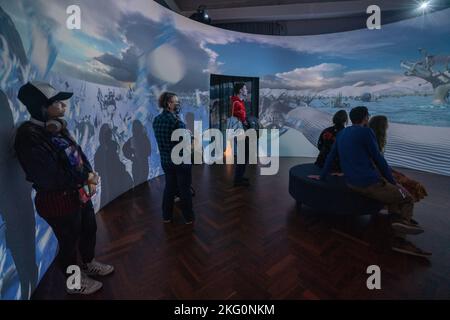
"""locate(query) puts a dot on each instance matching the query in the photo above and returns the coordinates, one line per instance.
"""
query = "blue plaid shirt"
(163, 125)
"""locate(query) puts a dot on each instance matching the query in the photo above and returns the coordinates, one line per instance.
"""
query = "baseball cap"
(36, 94)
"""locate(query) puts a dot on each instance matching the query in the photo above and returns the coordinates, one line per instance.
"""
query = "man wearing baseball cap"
(63, 179)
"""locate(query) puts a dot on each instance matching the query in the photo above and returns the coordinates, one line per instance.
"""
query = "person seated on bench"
(379, 125)
(367, 172)
(327, 138)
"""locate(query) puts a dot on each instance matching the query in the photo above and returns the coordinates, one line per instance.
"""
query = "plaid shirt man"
(163, 125)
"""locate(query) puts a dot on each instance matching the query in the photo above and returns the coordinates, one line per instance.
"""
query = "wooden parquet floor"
(251, 243)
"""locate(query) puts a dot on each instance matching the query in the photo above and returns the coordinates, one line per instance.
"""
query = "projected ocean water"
(408, 109)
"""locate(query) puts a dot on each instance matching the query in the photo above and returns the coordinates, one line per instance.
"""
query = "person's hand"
(400, 187)
(93, 178)
(405, 193)
(314, 177)
(337, 174)
(92, 189)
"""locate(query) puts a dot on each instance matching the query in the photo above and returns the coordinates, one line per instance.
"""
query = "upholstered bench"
(331, 196)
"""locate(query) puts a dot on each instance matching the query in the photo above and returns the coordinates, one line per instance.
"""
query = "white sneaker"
(177, 199)
(95, 268)
(88, 286)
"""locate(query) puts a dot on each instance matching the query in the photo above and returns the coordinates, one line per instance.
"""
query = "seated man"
(367, 172)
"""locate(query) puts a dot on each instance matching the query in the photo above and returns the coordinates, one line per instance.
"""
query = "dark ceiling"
(299, 17)
(191, 5)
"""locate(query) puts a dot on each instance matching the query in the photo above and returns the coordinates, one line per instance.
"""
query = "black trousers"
(239, 169)
(76, 233)
(178, 180)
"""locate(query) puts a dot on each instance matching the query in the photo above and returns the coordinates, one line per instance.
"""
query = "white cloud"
(213, 64)
(82, 48)
(318, 76)
(91, 71)
(329, 75)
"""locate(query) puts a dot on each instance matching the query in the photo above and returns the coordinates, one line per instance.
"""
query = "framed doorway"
(221, 91)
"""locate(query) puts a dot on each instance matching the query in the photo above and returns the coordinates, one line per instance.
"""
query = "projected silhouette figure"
(114, 177)
(16, 205)
(138, 150)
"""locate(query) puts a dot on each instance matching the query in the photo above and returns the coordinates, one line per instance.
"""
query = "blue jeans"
(178, 178)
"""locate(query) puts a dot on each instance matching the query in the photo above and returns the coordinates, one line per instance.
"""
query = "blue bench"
(332, 196)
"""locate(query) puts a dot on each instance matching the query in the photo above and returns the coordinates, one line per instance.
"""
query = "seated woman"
(327, 138)
(379, 125)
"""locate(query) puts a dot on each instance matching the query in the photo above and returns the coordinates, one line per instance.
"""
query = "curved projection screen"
(127, 52)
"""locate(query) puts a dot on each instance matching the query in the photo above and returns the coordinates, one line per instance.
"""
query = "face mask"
(177, 109)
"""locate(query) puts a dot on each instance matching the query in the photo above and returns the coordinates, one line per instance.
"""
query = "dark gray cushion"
(330, 196)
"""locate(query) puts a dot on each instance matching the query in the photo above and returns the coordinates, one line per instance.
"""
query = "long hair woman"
(380, 125)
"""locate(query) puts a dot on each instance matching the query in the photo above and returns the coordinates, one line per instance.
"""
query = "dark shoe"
(396, 216)
(241, 183)
(406, 227)
(189, 222)
(406, 247)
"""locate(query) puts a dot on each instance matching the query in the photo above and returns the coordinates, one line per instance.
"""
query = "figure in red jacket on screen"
(238, 110)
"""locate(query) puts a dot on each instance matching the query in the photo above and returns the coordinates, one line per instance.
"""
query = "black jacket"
(325, 143)
(47, 167)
